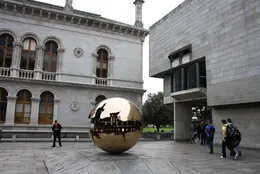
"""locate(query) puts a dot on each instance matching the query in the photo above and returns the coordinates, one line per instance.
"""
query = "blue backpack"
(211, 130)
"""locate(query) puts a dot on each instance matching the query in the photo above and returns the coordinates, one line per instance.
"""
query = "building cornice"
(70, 84)
(95, 22)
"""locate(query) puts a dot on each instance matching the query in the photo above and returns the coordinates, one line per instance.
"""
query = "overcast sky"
(124, 11)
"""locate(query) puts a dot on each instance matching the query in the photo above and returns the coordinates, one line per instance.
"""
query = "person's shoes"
(52, 146)
(223, 157)
(60, 145)
(236, 156)
(240, 153)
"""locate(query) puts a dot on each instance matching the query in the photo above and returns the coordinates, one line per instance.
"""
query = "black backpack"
(233, 133)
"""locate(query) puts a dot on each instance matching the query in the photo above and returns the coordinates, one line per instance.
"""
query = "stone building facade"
(207, 52)
(56, 63)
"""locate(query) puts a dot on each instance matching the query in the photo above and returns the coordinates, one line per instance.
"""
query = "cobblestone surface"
(146, 157)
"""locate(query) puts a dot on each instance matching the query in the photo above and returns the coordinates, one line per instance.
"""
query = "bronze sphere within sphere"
(117, 125)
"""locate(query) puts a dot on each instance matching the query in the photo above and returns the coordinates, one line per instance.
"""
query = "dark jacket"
(56, 129)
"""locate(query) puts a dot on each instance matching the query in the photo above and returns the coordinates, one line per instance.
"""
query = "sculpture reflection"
(117, 125)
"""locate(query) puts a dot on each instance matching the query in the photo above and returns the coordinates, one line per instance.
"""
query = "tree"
(155, 112)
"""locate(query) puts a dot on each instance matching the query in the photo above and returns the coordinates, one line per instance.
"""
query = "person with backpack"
(234, 136)
(226, 141)
(210, 131)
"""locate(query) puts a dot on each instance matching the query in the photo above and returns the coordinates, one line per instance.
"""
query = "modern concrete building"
(207, 52)
(58, 62)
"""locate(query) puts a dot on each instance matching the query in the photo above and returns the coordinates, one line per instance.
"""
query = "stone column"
(39, 61)
(182, 121)
(56, 107)
(16, 58)
(59, 63)
(111, 69)
(35, 111)
(139, 13)
(95, 56)
(10, 111)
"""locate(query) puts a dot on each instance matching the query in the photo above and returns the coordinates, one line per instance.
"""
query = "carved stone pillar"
(95, 56)
(138, 13)
(10, 110)
(16, 58)
(111, 69)
(56, 107)
(59, 63)
(35, 111)
(39, 61)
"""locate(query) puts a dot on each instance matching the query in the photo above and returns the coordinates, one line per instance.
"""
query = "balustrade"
(5, 72)
(101, 81)
(28, 74)
(48, 76)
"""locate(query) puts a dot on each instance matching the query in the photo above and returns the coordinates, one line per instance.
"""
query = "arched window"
(28, 54)
(6, 50)
(3, 104)
(23, 107)
(100, 98)
(102, 63)
(50, 56)
(46, 108)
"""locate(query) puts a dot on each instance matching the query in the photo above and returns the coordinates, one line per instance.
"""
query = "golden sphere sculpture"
(117, 125)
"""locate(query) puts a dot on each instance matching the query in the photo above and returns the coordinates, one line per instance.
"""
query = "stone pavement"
(146, 157)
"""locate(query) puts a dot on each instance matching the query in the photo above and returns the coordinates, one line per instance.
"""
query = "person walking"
(236, 138)
(56, 129)
(226, 142)
(210, 131)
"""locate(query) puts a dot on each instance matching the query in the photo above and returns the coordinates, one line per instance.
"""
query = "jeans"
(210, 142)
(237, 148)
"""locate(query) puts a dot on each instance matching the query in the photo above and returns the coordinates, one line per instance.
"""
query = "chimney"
(138, 13)
(68, 6)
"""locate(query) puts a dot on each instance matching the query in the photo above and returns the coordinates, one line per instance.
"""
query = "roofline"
(91, 20)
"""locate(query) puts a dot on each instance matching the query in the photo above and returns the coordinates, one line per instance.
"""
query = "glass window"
(6, 50)
(100, 98)
(28, 54)
(102, 63)
(202, 74)
(50, 57)
(191, 76)
(23, 107)
(46, 108)
(177, 80)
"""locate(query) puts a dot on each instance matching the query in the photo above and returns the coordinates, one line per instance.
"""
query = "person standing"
(56, 129)
(203, 134)
(210, 131)
(199, 131)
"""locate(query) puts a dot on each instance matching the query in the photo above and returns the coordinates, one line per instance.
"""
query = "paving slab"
(150, 157)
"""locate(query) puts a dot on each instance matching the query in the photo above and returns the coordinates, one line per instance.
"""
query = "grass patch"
(151, 129)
